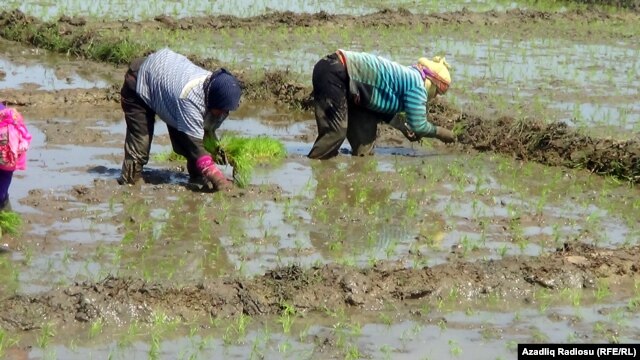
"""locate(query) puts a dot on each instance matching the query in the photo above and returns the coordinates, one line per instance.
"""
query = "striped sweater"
(173, 87)
(388, 87)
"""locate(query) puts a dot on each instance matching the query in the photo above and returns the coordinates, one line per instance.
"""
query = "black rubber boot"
(5, 205)
(131, 173)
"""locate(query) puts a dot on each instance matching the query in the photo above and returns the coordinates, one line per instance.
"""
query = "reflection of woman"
(14, 143)
(353, 91)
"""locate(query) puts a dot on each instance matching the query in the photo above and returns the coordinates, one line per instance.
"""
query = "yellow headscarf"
(437, 77)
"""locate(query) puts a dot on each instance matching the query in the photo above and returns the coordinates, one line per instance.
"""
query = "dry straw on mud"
(245, 153)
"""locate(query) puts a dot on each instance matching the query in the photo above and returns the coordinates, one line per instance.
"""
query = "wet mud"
(516, 279)
(553, 144)
(627, 4)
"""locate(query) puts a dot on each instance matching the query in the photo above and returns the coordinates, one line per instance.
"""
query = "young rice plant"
(243, 153)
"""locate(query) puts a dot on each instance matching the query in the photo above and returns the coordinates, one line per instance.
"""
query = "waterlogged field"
(424, 251)
(521, 71)
(118, 9)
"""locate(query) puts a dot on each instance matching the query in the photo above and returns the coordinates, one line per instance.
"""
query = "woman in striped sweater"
(354, 91)
(192, 101)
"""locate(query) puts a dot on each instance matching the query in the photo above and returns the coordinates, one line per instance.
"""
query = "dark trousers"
(5, 182)
(140, 120)
(337, 117)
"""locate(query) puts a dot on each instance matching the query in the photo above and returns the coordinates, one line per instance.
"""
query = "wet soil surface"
(553, 144)
(69, 25)
(331, 286)
(117, 299)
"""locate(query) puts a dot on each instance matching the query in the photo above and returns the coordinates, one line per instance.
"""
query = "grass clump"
(243, 154)
(84, 42)
(10, 223)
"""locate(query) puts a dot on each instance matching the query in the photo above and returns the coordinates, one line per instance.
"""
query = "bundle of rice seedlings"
(10, 223)
(245, 153)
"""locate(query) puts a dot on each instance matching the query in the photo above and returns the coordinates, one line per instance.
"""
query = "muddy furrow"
(553, 144)
(118, 300)
(384, 18)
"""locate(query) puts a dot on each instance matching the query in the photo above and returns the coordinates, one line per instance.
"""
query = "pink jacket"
(14, 140)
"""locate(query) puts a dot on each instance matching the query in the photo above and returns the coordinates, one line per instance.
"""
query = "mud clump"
(331, 286)
(553, 144)
(278, 85)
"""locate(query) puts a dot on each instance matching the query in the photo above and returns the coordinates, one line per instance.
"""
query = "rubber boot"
(131, 172)
(5, 205)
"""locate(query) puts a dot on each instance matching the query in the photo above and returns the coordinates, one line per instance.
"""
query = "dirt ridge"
(381, 18)
(552, 144)
(517, 278)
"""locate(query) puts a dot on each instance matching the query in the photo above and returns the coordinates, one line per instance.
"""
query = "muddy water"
(488, 73)
(121, 9)
(157, 271)
(439, 335)
(27, 68)
(430, 207)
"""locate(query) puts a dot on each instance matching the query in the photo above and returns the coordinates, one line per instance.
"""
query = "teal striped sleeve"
(415, 107)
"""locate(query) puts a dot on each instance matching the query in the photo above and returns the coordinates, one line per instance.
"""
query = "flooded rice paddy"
(421, 251)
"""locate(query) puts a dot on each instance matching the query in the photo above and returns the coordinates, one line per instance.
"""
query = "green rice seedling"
(167, 156)
(10, 223)
(544, 298)
(386, 351)
(511, 345)
(574, 295)
(46, 333)
(286, 317)
(236, 331)
(96, 328)
(5, 341)
(353, 352)
(618, 317)
(572, 337)
(245, 153)
(127, 338)
(119, 51)
(502, 250)
(454, 348)
(154, 349)
(602, 290)
(284, 346)
(539, 336)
